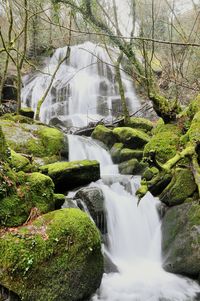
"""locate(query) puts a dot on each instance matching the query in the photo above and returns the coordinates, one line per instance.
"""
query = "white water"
(84, 89)
(81, 148)
(134, 239)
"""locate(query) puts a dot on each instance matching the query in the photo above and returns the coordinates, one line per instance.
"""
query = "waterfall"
(134, 239)
(84, 89)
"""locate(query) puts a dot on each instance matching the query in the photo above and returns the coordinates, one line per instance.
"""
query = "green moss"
(130, 167)
(19, 162)
(104, 135)
(165, 143)
(180, 188)
(58, 257)
(32, 138)
(128, 154)
(131, 137)
(150, 172)
(140, 123)
(116, 151)
(194, 131)
(3, 147)
(194, 214)
(28, 112)
(34, 190)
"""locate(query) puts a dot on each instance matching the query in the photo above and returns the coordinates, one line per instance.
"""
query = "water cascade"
(84, 89)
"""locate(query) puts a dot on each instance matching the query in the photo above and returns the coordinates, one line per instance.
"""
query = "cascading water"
(134, 241)
(84, 89)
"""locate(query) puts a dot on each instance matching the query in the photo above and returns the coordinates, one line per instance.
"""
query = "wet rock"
(59, 200)
(181, 237)
(94, 200)
(56, 257)
(116, 151)
(69, 175)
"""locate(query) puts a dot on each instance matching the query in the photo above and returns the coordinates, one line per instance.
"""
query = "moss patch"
(104, 135)
(19, 162)
(140, 123)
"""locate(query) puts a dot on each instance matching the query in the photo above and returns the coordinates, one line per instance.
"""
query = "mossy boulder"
(181, 187)
(149, 173)
(164, 143)
(28, 191)
(19, 162)
(140, 123)
(69, 175)
(128, 154)
(56, 257)
(181, 239)
(104, 135)
(131, 138)
(34, 139)
(130, 167)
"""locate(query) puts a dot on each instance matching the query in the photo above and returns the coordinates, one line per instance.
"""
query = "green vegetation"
(131, 137)
(104, 135)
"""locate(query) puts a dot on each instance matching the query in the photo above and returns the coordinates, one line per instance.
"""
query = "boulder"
(56, 257)
(140, 124)
(131, 138)
(181, 238)
(94, 200)
(25, 136)
(116, 151)
(69, 175)
(181, 187)
(130, 167)
(104, 135)
(25, 194)
(128, 154)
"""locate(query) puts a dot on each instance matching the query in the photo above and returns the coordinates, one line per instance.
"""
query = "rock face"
(94, 200)
(181, 239)
(130, 167)
(69, 175)
(131, 138)
(56, 257)
(104, 135)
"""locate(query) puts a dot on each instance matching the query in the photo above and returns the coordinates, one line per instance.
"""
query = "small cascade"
(84, 89)
(133, 245)
(81, 148)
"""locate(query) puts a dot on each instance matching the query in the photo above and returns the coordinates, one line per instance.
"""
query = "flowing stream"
(84, 90)
(134, 239)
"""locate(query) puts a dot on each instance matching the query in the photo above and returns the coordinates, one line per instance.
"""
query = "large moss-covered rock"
(69, 175)
(164, 143)
(104, 135)
(94, 200)
(3, 146)
(128, 154)
(180, 188)
(140, 123)
(56, 257)
(28, 191)
(181, 239)
(131, 137)
(25, 136)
